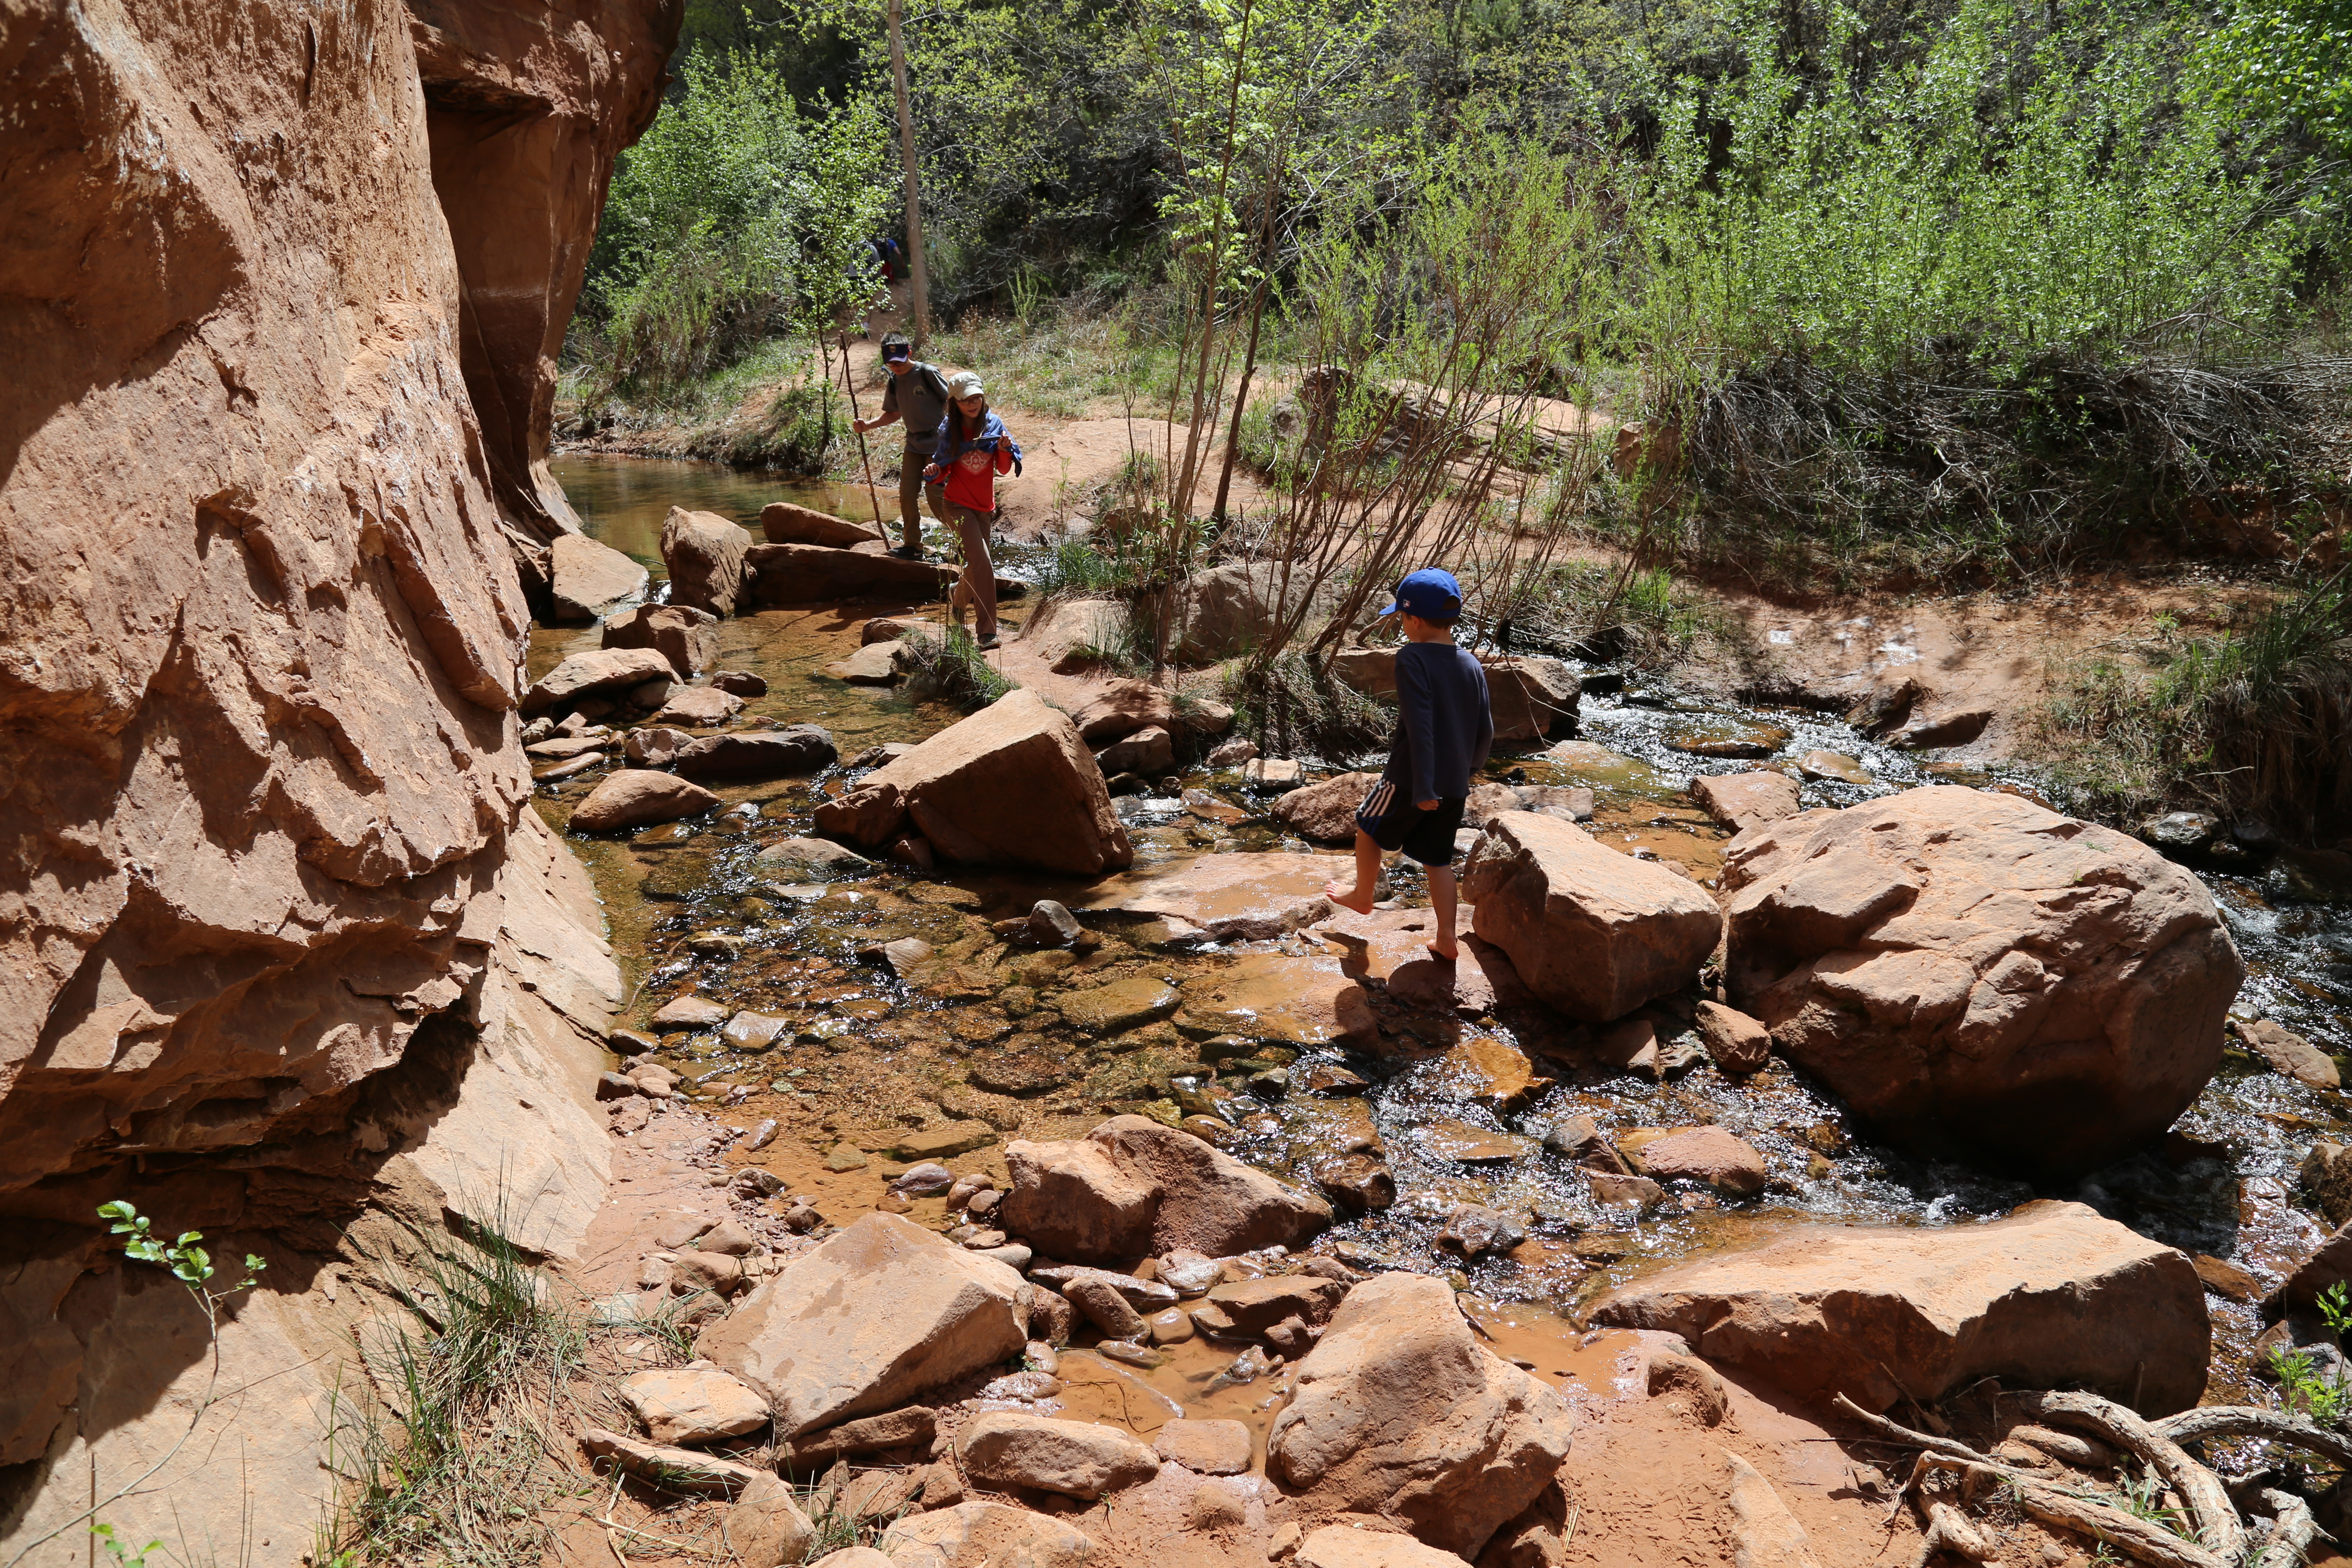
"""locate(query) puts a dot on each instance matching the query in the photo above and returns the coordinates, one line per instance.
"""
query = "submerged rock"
(1979, 976)
(1592, 932)
(1132, 1188)
(2053, 1295)
(1246, 895)
(1400, 1412)
(1013, 785)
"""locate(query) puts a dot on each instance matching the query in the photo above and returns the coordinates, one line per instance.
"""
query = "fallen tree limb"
(2246, 1421)
(2137, 1538)
(2291, 1535)
(2218, 1528)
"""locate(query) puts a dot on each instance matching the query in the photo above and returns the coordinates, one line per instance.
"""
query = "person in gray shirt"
(1445, 729)
(918, 394)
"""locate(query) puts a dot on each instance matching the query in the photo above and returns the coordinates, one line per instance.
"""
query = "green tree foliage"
(2025, 178)
(2289, 58)
(735, 219)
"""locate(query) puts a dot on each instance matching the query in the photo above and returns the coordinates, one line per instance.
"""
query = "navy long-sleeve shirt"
(1445, 728)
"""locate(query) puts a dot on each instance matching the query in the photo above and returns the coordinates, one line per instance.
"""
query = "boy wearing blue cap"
(1445, 731)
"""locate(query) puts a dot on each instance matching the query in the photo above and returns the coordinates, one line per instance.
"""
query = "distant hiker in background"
(886, 252)
(1445, 732)
(973, 448)
(918, 394)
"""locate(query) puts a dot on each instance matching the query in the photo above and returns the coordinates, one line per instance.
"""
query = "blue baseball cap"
(1431, 593)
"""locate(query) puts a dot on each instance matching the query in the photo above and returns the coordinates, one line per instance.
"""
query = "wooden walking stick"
(864, 459)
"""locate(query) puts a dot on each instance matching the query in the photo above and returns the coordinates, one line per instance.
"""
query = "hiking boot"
(908, 553)
(986, 643)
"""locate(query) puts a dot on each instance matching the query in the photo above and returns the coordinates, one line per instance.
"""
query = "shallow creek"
(870, 1059)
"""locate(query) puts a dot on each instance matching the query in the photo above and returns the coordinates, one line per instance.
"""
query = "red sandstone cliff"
(280, 935)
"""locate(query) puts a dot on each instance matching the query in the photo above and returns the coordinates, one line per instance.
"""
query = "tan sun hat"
(965, 384)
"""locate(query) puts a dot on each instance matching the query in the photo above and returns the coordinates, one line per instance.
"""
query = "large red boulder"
(2052, 1296)
(1592, 932)
(703, 553)
(1401, 1411)
(1011, 786)
(1980, 977)
(1132, 1188)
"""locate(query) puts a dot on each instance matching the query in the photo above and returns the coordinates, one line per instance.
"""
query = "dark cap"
(1431, 593)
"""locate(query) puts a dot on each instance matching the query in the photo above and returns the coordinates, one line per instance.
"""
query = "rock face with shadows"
(1401, 1411)
(1976, 975)
(874, 1317)
(1132, 1188)
(1013, 785)
(283, 947)
(2051, 1296)
(1592, 932)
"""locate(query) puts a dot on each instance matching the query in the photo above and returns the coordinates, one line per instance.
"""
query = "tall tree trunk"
(918, 283)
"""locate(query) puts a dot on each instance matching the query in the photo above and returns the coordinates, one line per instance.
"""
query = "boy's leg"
(1441, 904)
(1359, 897)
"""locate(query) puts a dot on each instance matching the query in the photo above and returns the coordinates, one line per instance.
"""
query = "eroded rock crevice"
(284, 952)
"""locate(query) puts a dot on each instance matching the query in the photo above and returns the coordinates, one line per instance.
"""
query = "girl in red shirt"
(973, 448)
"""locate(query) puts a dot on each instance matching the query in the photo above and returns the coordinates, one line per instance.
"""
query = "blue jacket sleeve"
(1486, 746)
(1417, 713)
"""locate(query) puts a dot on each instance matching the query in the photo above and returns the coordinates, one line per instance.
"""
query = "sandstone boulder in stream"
(1975, 974)
(1401, 1411)
(765, 754)
(1532, 697)
(874, 1317)
(783, 522)
(813, 574)
(1592, 932)
(703, 553)
(2052, 1296)
(587, 578)
(685, 637)
(606, 672)
(1133, 1188)
(1013, 785)
(634, 797)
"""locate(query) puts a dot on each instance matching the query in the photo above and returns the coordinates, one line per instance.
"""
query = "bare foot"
(1348, 896)
(1445, 954)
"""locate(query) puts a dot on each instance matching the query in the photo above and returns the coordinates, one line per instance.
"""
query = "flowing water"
(867, 1058)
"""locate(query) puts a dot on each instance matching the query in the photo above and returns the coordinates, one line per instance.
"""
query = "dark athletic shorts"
(1395, 823)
